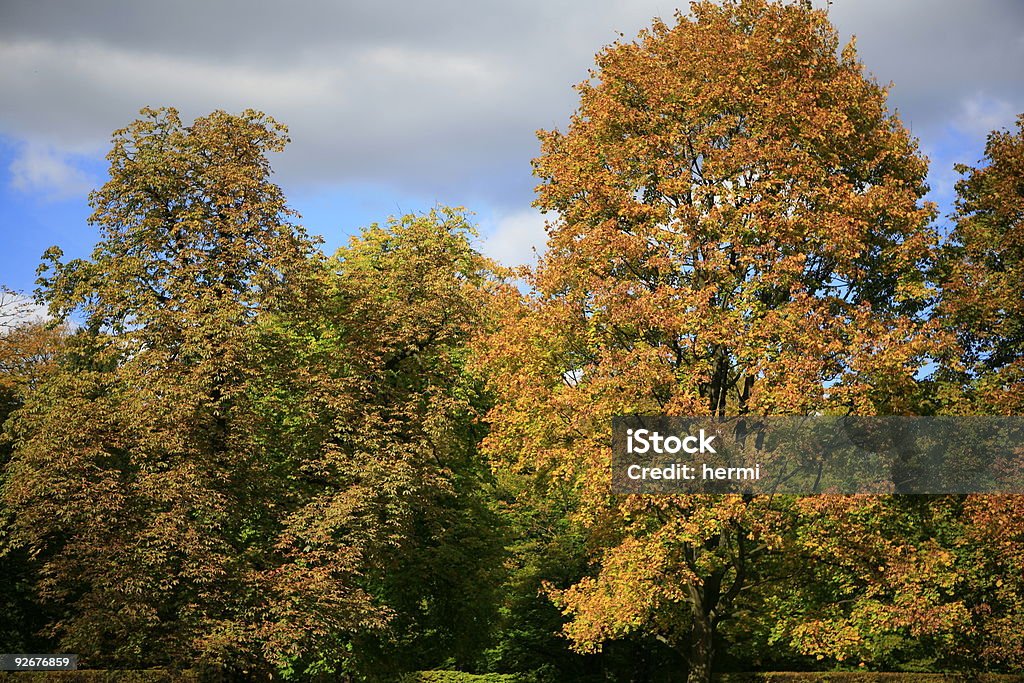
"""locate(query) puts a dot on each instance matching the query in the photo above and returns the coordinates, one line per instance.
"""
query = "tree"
(250, 457)
(384, 419)
(28, 348)
(980, 272)
(739, 229)
(134, 478)
(28, 344)
(934, 581)
(410, 297)
(882, 584)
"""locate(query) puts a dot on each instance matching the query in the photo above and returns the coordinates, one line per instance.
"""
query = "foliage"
(251, 458)
(95, 676)
(229, 452)
(134, 479)
(739, 229)
(28, 347)
(383, 420)
(990, 561)
(980, 272)
(980, 268)
(881, 585)
(860, 677)
(460, 677)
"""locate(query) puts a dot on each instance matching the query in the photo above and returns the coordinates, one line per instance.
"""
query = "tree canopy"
(225, 450)
(248, 456)
(739, 228)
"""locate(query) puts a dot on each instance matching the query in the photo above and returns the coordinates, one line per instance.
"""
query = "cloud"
(40, 169)
(980, 114)
(422, 119)
(435, 99)
(17, 309)
(517, 238)
(962, 141)
(937, 53)
(440, 99)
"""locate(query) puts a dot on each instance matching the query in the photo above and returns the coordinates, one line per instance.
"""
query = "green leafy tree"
(881, 584)
(384, 418)
(250, 457)
(135, 475)
(28, 347)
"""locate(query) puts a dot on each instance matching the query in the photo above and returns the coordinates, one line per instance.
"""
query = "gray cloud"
(429, 97)
(940, 56)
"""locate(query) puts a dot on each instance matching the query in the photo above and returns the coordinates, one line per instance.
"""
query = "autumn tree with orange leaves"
(738, 227)
(981, 274)
(980, 270)
(935, 580)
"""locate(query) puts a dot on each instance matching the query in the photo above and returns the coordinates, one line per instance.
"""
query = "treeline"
(230, 453)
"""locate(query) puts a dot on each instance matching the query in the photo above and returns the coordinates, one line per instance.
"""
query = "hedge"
(97, 676)
(864, 677)
(770, 677)
(460, 677)
(161, 676)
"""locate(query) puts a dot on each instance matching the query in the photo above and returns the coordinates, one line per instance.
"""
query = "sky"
(394, 107)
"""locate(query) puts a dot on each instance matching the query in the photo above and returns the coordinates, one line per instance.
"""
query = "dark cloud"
(428, 96)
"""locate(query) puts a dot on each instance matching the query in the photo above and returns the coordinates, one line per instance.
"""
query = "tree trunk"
(701, 637)
(700, 648)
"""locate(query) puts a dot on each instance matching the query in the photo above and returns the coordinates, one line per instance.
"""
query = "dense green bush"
(158, 676)
(96, 676)
(769, 677)
(862, 677)
(461, 677)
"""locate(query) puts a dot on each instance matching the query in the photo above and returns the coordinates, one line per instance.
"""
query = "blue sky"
(395, 107)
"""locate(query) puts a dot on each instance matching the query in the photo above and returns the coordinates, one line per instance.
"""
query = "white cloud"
(980, 114)
(18, 309)
(517, 238)
(42, 169)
